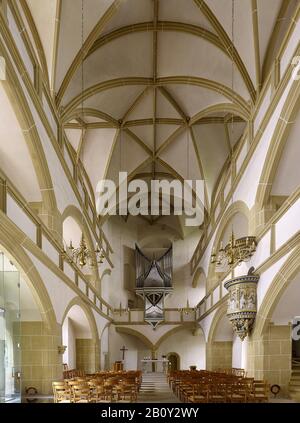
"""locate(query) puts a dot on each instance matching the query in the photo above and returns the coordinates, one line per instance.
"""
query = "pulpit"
(118, 366)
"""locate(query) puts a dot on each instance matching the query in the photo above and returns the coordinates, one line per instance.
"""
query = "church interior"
(127, 296)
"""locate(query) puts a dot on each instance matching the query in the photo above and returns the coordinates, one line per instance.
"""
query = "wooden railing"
(172, 316)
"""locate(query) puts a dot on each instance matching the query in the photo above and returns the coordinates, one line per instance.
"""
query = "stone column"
(39, 359)
(219, 355)
(270, 356)
(87, 355)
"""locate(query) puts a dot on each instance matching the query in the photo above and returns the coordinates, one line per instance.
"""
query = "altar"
(151, 365)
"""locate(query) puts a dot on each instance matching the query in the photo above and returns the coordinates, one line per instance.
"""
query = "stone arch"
(176, 340)
(105, 327)
(172, 331)
(281, 281)
(76, 214)
(199, 283)
(88, 313)
(21, 108)
(137, 334)
(215, 321)
(104, 347)
(32, 278)
(235, 208)
(239, 207)
(86, 349)
(106, 272)
(265, 359)
(177, 357)
(277, 144)
(199, 272)
(101, 282)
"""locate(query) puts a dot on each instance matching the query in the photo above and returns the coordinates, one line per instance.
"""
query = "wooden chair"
(238, 393)
(97, 393)
(217, 393)
(81, 393)
(61, 393)
(260, 392)
(200, 394)
(126, 392)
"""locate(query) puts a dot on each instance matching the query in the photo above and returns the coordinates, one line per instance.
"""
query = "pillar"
(39, 358)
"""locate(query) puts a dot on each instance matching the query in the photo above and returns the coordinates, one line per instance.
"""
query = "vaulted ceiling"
(168, 85)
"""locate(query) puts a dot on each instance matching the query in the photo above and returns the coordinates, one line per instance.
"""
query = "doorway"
(174, 361)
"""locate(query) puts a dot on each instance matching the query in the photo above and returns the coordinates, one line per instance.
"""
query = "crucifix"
(123, 349)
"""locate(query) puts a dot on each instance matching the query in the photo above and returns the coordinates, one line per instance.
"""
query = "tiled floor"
(155, 389)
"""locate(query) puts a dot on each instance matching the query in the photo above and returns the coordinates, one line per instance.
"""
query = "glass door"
(10, 352)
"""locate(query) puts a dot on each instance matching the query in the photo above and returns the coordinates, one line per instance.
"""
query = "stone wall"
(270, 357)
(219, 355)
(38, 356)
(87, 355)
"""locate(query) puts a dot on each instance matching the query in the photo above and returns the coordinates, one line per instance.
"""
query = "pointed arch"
(277, 144)
(29, 273)
(88, 313)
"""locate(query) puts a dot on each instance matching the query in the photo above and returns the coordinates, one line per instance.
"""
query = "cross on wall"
(123, 349)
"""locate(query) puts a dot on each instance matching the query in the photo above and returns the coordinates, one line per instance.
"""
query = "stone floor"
(155, 389)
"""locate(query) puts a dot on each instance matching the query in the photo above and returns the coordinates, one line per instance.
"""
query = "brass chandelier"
(242, 249)
(83, 255)
(236, 251)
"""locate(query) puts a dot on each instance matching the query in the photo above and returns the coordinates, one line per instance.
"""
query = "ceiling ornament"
(242, 303)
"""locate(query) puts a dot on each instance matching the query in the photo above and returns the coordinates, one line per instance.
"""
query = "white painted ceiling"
(15, 159)
(157, 78)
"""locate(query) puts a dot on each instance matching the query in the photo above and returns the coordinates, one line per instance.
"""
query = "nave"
(189, 386)
(160, 93)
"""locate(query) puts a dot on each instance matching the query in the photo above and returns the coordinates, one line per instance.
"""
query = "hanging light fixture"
(242, 302)
(242, 249)
(236, 251)
(83, 255)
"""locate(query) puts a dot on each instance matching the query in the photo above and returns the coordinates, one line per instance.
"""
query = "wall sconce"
(61, 349)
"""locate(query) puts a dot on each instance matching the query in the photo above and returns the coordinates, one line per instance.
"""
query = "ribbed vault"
(167, 90)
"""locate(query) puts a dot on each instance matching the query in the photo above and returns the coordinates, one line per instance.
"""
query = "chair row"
(205, 386)
(98, 388)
